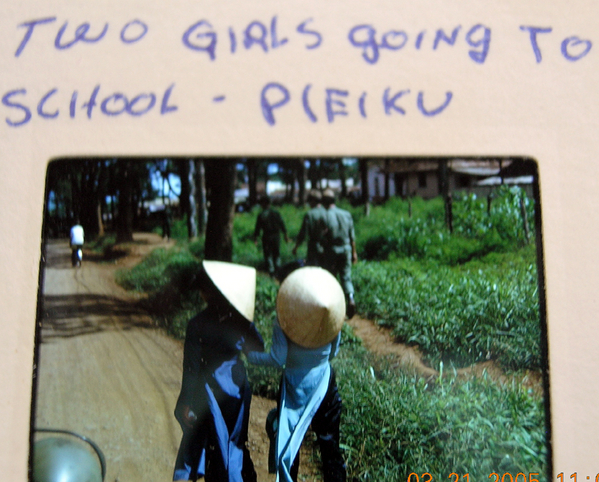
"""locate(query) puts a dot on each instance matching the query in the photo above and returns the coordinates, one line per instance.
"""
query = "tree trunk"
(252, 183)
(290, 175)
(342, 178)
(100, 223)
(364, 185)
(387, 180)
(313, 175)
(444, 191)
(124, 230)
(192, 219)
(184, 199)
(201, 196)
(113, 212)
(219, 230)
(302, 177)
(87, 177)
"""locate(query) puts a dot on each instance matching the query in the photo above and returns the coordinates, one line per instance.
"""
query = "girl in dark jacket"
(214, 403)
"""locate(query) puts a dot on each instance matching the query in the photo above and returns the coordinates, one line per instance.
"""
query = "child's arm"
(335, 346)
(277, 356)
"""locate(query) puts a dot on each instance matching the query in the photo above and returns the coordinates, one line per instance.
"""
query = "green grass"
(462, 297)
(389, 231)
(164, 275)
(395, 424)
(102, 245)
(458, 315)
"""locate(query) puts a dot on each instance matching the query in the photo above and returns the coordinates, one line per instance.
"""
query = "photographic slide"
(442, 367)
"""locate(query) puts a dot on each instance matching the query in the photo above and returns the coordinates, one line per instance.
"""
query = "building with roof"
(423, 177)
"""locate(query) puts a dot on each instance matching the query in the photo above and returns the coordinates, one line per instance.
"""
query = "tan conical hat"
(236, 283)
(311, 307)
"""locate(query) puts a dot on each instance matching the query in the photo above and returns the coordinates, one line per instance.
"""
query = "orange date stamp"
(574, 477)
(495, 477)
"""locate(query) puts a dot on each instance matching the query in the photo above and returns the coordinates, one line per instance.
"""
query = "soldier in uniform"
(313, 228)
(271, 224)
(340, 247)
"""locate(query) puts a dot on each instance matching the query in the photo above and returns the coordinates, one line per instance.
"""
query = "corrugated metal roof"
(496, 180)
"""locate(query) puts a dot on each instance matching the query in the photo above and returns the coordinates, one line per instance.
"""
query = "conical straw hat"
(236, 283)
(311, 307)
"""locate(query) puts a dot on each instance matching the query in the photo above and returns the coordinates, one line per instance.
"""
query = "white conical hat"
(236, 283)
(311, 307)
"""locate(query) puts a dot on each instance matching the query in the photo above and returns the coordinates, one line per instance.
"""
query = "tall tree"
(220, 176)
(445, 192)
(286, 171)
(302, 178)
(314, 174)
(59, 198)
(76, 187)
(202, 206)
(124, 222)
(252, 182)
(387, 179)
(85, 187)
(192, 219)
(185, 200)
(343, 178)
(364, 185)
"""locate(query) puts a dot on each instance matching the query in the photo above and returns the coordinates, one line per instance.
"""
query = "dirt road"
(107, 373)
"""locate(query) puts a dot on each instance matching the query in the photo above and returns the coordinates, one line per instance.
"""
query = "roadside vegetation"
(462, 297)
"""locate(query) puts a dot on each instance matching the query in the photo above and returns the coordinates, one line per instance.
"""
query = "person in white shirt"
(76, 242)
(77, 235)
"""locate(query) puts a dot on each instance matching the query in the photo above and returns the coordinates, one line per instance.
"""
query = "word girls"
(111, 105)
(202, 37)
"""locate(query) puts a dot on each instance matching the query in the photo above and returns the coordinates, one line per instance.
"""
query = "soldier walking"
(340, 247)
(271, 224)
(312, 230)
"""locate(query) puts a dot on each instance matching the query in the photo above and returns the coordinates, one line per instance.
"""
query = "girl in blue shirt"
(310, 309)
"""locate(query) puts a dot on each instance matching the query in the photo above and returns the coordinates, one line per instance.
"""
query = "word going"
(365, 37)
(275, 95)
(111, 105)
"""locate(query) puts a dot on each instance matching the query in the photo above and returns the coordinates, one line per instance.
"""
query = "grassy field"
(461, 297)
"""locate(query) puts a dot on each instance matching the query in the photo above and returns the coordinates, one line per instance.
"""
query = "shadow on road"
(58, 254)
(58, 258)
(66, 316)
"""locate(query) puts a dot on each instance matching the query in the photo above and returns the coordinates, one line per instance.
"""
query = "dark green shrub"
(389, 232)
(458, 315)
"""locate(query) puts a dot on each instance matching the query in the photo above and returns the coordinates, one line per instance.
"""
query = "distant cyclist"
(77, 238)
